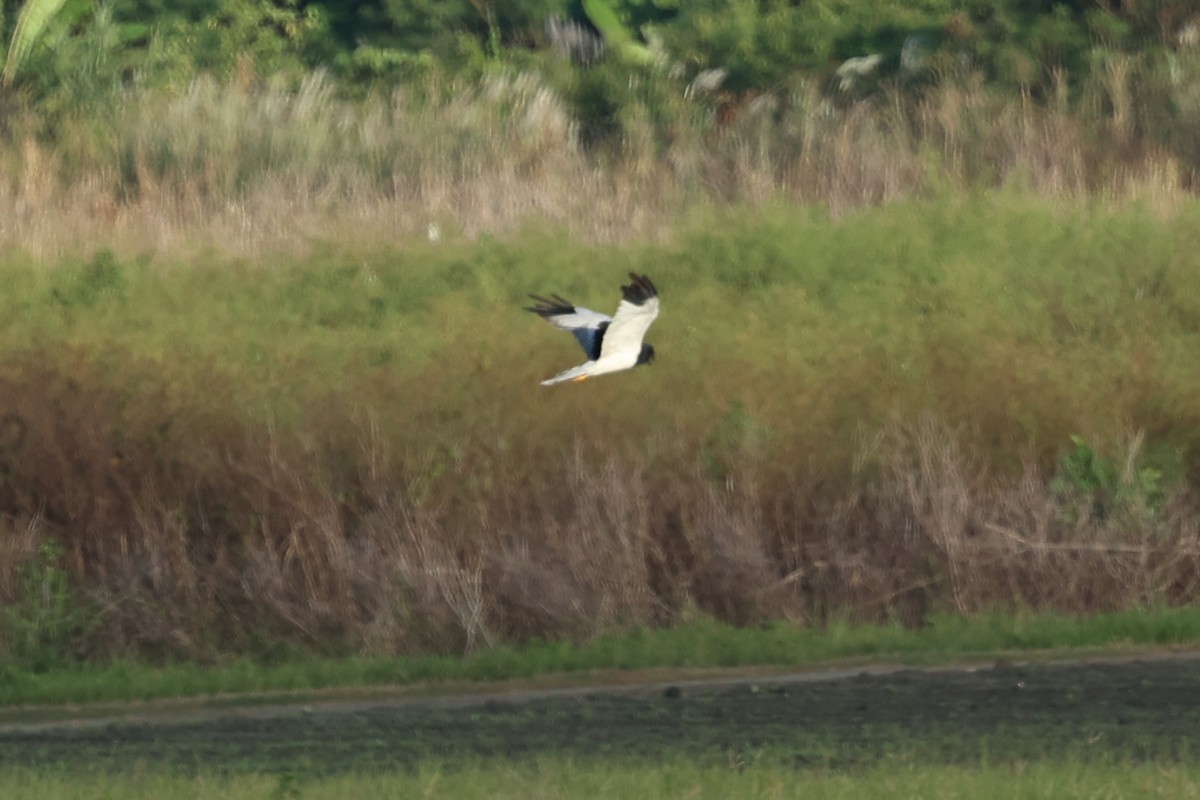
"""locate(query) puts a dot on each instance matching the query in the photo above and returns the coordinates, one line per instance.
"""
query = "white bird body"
(613, 344)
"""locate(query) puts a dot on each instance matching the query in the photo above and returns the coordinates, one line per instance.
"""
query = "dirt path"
(1145, 706)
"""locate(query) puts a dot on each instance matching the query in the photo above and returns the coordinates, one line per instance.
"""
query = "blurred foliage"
(45, 627)
(31, 23)
(757, 43)
(1107, 486)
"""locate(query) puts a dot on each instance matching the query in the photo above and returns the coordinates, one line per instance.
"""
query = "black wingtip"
(551, 306)
(639, 290)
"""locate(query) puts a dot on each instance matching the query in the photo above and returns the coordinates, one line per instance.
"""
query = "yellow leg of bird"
(580, 378)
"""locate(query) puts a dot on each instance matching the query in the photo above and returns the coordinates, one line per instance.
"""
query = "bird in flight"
(611, 343)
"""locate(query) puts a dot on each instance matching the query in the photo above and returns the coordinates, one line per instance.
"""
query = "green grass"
(568, 779)
(1017, 320)
(1024, 318)
(702, 644)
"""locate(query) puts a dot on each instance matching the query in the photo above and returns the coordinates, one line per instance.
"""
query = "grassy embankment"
(867, 419)
(689, 646)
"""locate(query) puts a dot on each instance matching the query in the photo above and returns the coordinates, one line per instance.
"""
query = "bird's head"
(647, 355)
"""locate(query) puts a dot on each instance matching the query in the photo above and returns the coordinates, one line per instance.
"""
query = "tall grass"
(252, 168)
(868, 418)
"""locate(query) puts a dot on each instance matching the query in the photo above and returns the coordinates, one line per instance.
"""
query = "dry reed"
(233, 538)
(256, 171)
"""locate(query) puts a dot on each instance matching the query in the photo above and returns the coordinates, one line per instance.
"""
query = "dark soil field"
(1132, 709)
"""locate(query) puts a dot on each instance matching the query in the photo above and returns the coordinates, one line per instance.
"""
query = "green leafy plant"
(45, 626)
(32, 20)
(73, 60)
(618, 37)
(102, 277)
(1082, 471)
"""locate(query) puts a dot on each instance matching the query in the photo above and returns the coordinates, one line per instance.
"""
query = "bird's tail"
(574, 373)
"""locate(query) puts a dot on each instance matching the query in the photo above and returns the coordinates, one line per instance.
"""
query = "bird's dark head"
(647, 355)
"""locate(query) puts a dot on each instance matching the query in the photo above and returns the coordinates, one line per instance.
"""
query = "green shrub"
(1107, 486)
(45, 628)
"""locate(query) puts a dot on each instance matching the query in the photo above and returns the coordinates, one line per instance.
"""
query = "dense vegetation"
(870, 418)
(614, 63)
(264, 380)
(758, 42)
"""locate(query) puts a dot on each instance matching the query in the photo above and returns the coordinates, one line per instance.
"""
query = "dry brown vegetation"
(253, 169)
(232, 539)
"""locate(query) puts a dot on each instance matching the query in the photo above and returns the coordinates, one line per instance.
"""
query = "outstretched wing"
(587, 326)
(637, 310)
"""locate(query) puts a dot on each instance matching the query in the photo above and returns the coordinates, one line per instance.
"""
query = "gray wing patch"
(593, 340)
(585, 325)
